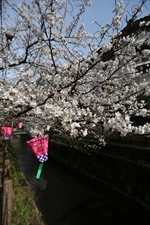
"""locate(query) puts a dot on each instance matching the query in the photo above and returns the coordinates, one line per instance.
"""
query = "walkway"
(68, 200)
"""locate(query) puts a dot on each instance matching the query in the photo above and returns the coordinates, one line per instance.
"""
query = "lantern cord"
(39, 170)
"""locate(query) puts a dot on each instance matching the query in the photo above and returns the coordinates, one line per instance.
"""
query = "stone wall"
(123, 167)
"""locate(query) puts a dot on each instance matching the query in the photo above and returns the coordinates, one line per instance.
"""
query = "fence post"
(7, 190)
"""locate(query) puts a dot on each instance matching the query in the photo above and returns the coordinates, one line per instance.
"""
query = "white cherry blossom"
(48, 81)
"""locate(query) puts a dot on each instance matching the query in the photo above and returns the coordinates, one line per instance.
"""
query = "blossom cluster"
(48, 82)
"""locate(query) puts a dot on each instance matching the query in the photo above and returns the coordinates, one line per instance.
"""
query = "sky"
(101, 11)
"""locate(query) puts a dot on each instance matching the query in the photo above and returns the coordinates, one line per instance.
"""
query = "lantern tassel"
(39, 171)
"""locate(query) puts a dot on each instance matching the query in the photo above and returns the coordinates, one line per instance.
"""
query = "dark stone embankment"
(123, 167)
(73, 199)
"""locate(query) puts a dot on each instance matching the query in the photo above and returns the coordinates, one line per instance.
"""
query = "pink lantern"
(39, 147)
(7, 132)
(20, 124)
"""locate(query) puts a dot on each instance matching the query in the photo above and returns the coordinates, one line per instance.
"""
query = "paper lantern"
(39, 147)
(20, 124)
(7, 132)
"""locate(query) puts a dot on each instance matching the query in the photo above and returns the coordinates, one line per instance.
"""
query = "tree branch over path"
(54, 74)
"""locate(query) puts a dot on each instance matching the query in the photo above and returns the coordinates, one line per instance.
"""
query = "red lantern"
(7, 132)
(20, 124)
(39, 147)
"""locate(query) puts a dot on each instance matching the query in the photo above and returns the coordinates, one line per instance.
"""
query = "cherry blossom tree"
(54, 75)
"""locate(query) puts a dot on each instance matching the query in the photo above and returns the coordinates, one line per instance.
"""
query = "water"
(67, 200)
(27, 160)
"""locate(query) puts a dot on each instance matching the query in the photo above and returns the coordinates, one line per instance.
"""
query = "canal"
(68, 199)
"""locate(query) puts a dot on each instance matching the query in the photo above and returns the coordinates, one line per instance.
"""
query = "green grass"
(24, 209)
